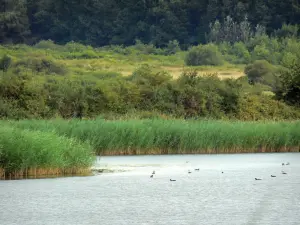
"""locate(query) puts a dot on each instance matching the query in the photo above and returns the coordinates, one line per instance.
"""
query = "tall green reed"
(175, 136)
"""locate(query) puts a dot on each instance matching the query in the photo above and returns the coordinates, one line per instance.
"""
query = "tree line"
(147, 93)
(121, 22)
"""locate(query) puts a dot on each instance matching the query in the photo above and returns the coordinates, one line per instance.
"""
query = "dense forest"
(102, 22)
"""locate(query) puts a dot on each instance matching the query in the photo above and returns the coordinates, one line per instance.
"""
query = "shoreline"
(196, 152)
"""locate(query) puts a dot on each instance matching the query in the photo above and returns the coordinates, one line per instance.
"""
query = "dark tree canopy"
(102, 22)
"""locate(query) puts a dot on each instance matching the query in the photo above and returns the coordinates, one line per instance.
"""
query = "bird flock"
(198, 169)
(282, 172)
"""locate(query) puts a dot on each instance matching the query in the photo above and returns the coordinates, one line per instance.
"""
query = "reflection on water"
(207, 196)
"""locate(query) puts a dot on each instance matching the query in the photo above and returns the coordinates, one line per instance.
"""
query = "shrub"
(74, 47)
(145, 48)
(259, 72)
(290, 85)
(88, 54)
(5, 63)
(287, 30)
(49, 44)
(261, 52)
(172, 47)
(288, 59)
(203, 55)
(262, 107)
(103, 75)
(241, 53)
(42, 64)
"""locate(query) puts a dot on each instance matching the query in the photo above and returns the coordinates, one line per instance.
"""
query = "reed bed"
(27, 153)
(139, 137)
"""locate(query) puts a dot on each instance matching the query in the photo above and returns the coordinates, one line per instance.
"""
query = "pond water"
(129, 196)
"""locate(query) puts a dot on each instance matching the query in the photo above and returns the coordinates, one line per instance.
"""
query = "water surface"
(129, 196)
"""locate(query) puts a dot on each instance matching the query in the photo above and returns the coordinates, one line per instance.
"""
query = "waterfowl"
(189, 172)
(273, 176)
(197, 169)
(282, 164)
(151, 176)
(153, 172)
(222, 172)
(283, 172)
(257, 179)
(172, 180)
(287, 163)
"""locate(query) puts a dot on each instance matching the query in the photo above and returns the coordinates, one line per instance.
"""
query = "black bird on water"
(197, 169)
(151, 176)
(273, 176)
(222, 172)
(172, 180)
(282, 164)
(257, 179)
(153, 172)
(287, 163)
(283, 172)
(189, 172)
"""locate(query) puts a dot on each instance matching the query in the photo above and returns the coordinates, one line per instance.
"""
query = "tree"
(289, 89)
(259, 72)
(203, 55)
(14, 23)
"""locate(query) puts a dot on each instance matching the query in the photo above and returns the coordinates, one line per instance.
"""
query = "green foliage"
(42, 65)
(24, 150)
(172, 47)
(49, 44)
(261, 52)
(92, 87)
(230, 31)
(290, 85)
(100, 23)
(21, 97)
(203, 55)
(260, 72)
(5, 63)
(14, 21)
(287, 30)
(239, 54)
(145, 48)
(262, 107)
(175, 136)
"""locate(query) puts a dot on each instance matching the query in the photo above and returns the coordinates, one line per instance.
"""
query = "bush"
(259, 72)
(261, 52)
(49, 44)
(5, 63)
(288, 59)
(290, 85)
(74, 47)
(146, 48)
(262, 107)
(88, 54)
(39, 65)
(172, 47)
(203, 55)
(241, 53)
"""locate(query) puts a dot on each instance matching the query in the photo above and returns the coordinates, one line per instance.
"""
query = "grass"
(86, 60)
(130, 137)
(25, 153)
